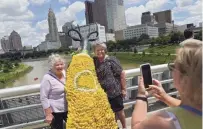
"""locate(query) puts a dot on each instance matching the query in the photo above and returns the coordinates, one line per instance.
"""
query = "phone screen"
(146, 73)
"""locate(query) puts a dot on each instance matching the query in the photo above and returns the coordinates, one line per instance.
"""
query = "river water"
(40, 68)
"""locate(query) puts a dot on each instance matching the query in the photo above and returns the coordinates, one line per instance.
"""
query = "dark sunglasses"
(171, 66)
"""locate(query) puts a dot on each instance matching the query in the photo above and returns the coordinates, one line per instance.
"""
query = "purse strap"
(54, 76)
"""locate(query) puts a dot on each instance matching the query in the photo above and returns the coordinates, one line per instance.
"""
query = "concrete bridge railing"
(21, 107)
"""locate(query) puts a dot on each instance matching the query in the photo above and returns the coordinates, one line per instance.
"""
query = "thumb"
(156, 82)
(154, 87)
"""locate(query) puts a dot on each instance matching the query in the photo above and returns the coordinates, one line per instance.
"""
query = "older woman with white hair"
(52, 93)
(185, 113)
(111, 76)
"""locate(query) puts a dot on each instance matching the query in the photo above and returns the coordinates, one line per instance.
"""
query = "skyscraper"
(5, 45)
(52, 40)
(115, 15)
(89, 12)
(53, 30)
(163, 16)
(109, 13)
(15, 41)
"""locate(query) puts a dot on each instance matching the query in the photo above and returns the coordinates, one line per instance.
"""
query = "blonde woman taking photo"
(187, 78)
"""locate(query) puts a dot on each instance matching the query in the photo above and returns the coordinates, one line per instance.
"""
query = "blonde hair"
(54, 58)
(189, 62)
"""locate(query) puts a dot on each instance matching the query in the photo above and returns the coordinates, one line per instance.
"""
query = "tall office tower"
(89, 12)
(53, 30)
(15, 41)
(115, 15)
(5, 45)
(163, 16)
(109, 13)
(146, 18)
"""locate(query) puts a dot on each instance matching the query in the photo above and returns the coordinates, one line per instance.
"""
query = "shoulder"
(164, 122)
(46, 77)
(113, 58)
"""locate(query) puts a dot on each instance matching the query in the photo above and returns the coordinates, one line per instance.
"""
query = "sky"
(29, 17)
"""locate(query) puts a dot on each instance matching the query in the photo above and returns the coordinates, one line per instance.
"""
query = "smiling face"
(100, 51)
(58, 67)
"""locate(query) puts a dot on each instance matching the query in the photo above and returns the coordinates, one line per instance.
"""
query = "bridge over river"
(20, 106)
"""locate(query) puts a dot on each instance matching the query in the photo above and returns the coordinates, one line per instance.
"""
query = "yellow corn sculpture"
(88, 106)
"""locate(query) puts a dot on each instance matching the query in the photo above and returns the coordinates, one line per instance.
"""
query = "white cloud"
(42, 25)
(182, 3)
(66, 14)
(194, 11)
(133, 14)
(15, 15)
(39, 2)
(64, 1)
(83, 22)
(15, 8)
(69, 13)
(29, 35)
(193, 19)
(156, 5)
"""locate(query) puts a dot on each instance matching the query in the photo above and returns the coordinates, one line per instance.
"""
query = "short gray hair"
(99, 44)
(54, 58)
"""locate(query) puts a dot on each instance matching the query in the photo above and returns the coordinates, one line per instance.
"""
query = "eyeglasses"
(171, 66)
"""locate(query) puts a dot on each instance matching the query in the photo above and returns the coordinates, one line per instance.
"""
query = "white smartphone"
(146, 73)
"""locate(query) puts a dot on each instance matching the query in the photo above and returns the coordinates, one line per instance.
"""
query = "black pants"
(57, 122)
(116, 103)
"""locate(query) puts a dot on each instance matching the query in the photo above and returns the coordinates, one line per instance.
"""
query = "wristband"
(142, 98)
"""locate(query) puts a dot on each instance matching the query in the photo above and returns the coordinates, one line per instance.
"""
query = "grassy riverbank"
(13, 74)
(131, 60)
(162, 49)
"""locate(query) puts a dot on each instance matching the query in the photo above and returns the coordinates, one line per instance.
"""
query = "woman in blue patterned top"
(111, 76)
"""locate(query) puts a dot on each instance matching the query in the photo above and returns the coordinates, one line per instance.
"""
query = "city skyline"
(29, 18)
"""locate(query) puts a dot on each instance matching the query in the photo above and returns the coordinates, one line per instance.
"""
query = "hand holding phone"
(145, 70)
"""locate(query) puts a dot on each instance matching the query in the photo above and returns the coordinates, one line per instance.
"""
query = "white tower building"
(115, 15)
(53, 30)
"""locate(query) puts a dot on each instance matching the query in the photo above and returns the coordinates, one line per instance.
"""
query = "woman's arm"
(157, 120)
(139, 116)
(159, 92)
(123, 83)
(170, 101)
(44, 93)
(118, 70)
(140, 109)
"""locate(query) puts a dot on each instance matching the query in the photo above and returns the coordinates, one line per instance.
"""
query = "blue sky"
(29, 17)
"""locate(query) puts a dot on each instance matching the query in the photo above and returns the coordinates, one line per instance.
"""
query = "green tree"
(152, 42)
(144, 36)
(135, 50)
(111, 45)
(176, 37)
(199, 35)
